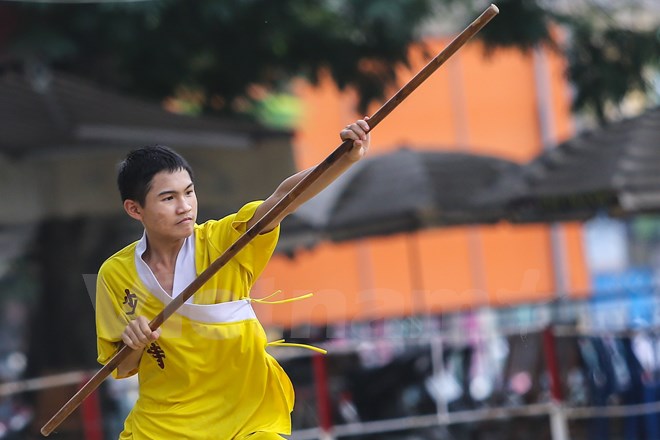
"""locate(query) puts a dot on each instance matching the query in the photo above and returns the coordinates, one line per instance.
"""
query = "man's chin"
(184, 230)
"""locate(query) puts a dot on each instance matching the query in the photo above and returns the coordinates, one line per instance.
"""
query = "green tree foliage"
(221, 49)
(607, 64)
(224, 47)
(607, 57)
(521, 23)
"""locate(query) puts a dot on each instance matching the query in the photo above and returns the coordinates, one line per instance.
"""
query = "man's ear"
(133, 209)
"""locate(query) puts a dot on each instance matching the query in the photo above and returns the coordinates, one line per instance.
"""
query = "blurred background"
(489, 272)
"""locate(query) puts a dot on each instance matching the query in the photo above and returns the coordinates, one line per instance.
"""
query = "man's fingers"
(358, 132)
(348, 135)
(138, 334)
(145, 330)
(359, 128)
(130, 339)
(355, 132)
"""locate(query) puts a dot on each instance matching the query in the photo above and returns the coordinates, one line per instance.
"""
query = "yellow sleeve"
(111, 321)
(256, 254)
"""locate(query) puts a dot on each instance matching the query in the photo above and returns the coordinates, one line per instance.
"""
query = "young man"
(205, 373)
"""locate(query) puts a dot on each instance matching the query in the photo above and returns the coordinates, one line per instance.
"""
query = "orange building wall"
(480, 104)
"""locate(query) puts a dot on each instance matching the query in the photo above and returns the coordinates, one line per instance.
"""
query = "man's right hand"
(138, 335)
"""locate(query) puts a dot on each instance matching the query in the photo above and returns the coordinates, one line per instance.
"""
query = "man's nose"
(184, 206)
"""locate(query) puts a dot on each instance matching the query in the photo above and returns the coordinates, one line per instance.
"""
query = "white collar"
(184, 273)
(184, 269)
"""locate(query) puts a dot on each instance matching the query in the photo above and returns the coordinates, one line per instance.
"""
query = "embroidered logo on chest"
(157, 353)
(131, 301)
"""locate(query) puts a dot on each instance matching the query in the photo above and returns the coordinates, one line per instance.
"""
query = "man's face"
(170, 207)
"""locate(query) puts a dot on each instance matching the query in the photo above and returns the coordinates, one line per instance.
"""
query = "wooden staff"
(272, 214)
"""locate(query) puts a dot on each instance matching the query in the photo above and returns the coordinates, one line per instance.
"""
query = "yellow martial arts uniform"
(208, 376)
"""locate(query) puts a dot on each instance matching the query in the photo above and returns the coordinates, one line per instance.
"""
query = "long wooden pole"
(271, 215)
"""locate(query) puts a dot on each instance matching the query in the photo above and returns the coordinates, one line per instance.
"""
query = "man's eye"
(169, 198)
(189, 192)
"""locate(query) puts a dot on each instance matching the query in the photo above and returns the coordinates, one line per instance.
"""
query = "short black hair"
(134, 174)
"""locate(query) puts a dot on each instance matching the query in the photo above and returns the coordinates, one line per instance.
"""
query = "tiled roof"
(403, 191)
(46, 111)
(615, 169)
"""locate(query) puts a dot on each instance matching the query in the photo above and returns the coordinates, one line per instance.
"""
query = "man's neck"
(162, 252)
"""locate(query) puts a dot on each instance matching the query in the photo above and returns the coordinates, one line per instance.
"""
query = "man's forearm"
(129, 366)
(334, 171)
(358, 132)
(326, 179)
